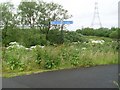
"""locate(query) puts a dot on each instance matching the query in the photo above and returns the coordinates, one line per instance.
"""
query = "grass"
(35, 71)
(13, 74)
(19, 61)
(99, 38)
(0, 59)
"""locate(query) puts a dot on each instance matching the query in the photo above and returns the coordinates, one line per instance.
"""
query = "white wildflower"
(78, 42)
(13, 43)
(102, 41)
(42, 46)
(91, 39)
(98, 41)
(9, 47)
(85, 42)
(20, 46)
(27, 48)
(33, 47)
(84, 48)
(75, 42)
(30, 48)
(71, 46)
(76, 49)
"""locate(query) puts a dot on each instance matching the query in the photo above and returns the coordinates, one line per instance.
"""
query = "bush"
(74, 58)
(114, 35)
(101, 32)
(72, 36)
(50, 61)
(19, 58)
(54, 36)
(26, 37)
(12, 57)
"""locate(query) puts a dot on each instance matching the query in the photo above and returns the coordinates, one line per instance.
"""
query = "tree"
(41, 14)
(6, 19)
(114, 34)
(49, 12)
(27, 12)
(7, 14)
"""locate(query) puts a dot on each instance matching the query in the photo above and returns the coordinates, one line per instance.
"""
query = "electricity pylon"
(96, 18)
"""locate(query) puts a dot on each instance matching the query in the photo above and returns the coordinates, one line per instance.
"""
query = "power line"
(96, 16)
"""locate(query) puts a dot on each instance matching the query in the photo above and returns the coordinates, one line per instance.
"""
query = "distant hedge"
(102, 32)
(31, 37)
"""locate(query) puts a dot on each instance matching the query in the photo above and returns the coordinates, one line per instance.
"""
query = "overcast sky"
(83, 10)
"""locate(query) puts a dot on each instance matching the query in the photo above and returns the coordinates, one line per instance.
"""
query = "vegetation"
(31, 44)
(19, 58)
(101, 32)
(32, 15)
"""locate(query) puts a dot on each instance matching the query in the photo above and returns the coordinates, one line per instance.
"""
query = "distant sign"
(67, 22)
(55, 22)
(61, 22)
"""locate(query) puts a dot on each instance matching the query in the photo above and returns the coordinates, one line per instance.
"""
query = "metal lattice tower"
(96, 18)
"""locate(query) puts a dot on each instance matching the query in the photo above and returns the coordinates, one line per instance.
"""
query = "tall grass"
(56, 57)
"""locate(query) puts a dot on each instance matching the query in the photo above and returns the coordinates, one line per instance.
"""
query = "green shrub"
(12, 58)
(114, 34)
(74, 58)
(101, 32)
(50, 61)
(54, 36)
(72, 36)
(26, 37)
(77, 54)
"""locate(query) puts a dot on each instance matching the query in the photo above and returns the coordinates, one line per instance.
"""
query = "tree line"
(29, 24)
(32, 15)
(101, 32)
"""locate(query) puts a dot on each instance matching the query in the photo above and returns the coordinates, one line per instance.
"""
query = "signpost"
(67, 22)
(56, 22)
(62, 23)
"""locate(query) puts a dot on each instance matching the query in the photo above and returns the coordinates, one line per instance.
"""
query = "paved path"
(94, 77)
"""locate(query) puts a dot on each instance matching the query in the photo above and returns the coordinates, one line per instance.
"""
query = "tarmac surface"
(93, 77)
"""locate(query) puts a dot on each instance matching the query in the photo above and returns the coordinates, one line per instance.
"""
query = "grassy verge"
(18, 60)
(98, 38)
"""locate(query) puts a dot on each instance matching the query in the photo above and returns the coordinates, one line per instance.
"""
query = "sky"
(83, 11)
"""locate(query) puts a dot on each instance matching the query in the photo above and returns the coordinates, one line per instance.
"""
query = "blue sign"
(61, 22)
(67, 22)
(56, 22)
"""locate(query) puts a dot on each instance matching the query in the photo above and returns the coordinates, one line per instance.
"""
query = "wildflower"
(85, 42)
(76, 49)
(20, 46)
(13, 43)
(102, 41)
(78, 42)
(98, 41)
(72, 46)
(27, 48)
(9, 47)
(30, 48)
(33, 47)
(75, 42)
(42, 46)
(91, 39)
(84, 48)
